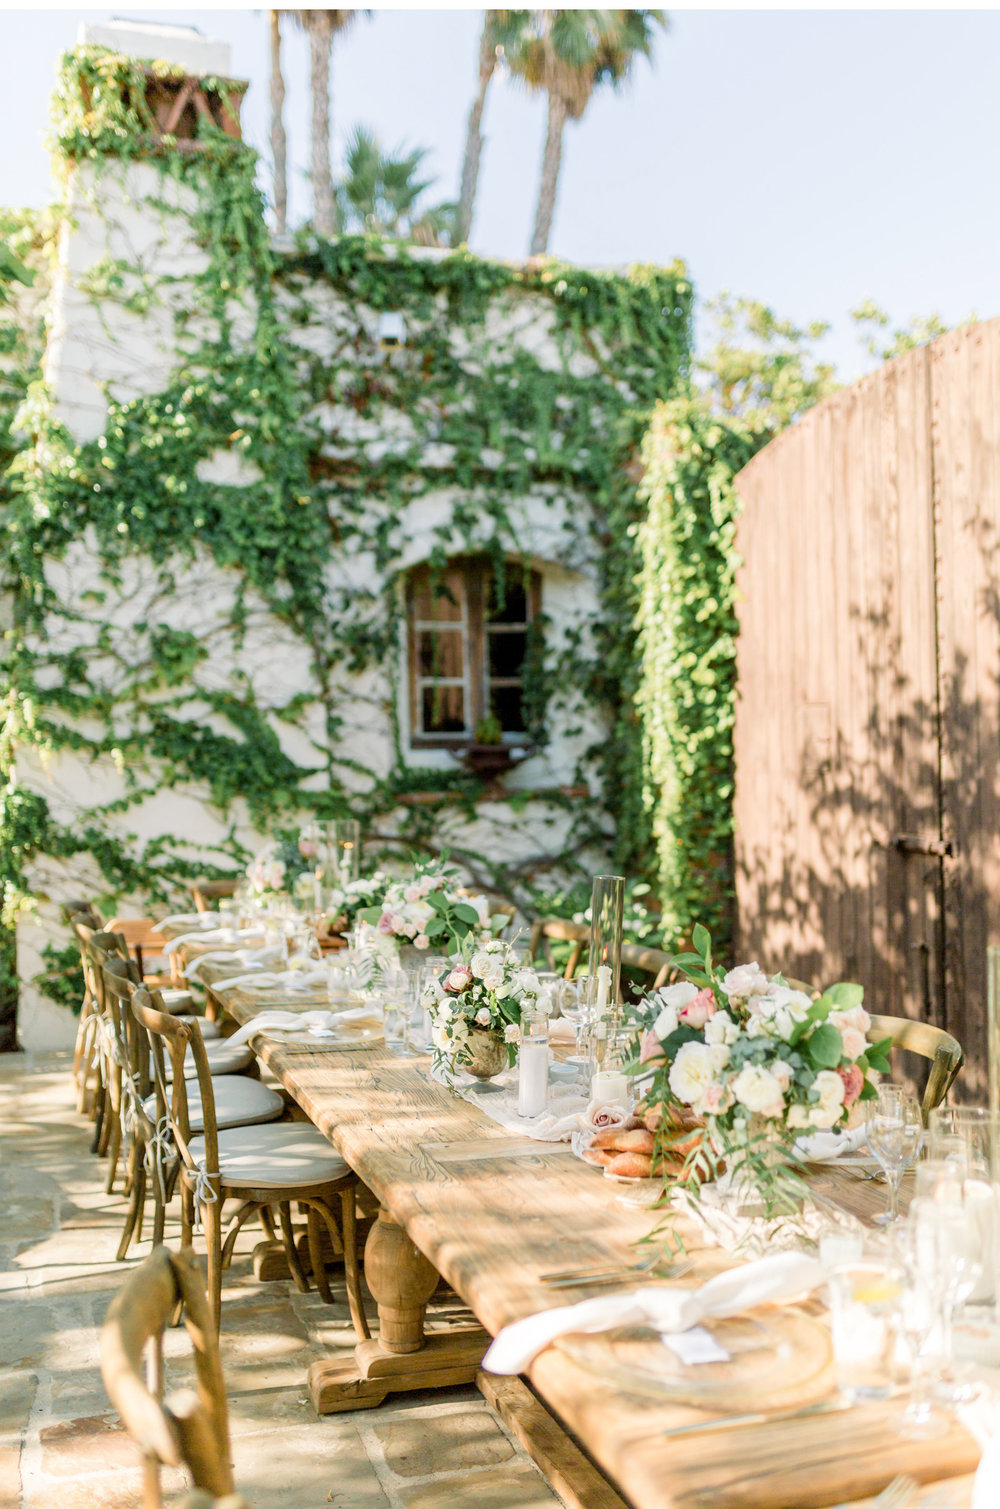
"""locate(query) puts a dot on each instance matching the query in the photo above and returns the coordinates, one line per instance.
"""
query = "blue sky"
(808, 158)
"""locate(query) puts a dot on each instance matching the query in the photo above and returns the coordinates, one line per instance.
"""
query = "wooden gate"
(868, 721)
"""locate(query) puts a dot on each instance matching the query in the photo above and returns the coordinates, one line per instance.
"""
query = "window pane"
(514, 608)
(441, 654)
(440, 597)
(443, 709)
(505, 702)
(507, 650)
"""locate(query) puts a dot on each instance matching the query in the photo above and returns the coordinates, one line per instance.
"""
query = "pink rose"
(698, 1010)
(855, 1042)
(459, 979)
(716, 1099)
(412, 893)
(651, 1051)
(421, 941)
(384, 925)
(853, 1081)
(307, 848)
(601, 1116)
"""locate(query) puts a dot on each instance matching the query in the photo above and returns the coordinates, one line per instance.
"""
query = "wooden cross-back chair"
(943, 1051)
(151, 1166)
(933, 1043)
(207, 893)
(263, 1167)
(98, 1059)
(546, 930)
(648, 961)
(84, 923)
(187, 1428)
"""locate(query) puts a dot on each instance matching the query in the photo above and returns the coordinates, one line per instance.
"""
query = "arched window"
(468, 643)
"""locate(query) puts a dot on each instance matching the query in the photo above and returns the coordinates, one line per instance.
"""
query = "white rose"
(511, 1033)
(757, 1088)
(691, 1072)
(718, 1056)
(720, 1028)
(677, 995)
(666, 1023)
(831, 1099)
(784, 1009)
(798, 1116)
(495, 946)
(783, 1073)
(855, 1042)
(480, 963)
(746, 980)
(857, 1018)
(527, 980)
(484, 1016)
(493, 979)
(758, 1026)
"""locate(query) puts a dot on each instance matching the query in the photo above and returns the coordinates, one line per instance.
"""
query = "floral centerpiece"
(756, 1062)
(276, 868)
(346, 902)
(428, 909)
(481, 996)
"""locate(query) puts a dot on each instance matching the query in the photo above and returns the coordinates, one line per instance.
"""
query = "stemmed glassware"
(895, 1136)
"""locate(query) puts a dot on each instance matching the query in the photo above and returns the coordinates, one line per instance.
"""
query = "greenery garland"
(502, 424)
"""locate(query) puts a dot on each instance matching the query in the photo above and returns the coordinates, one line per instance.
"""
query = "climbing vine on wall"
(278, 368)
(687, 638)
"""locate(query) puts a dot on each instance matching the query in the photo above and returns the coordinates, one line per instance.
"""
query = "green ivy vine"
(500, 422)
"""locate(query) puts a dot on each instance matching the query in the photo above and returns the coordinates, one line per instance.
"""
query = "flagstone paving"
(61, 1446)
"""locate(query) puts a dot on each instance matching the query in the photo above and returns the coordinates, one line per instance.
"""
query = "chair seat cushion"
(282, 1156)
(176, 1000)
(221, 1060)
(238, 1103)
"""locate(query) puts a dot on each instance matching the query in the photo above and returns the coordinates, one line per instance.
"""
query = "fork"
(896, 1495)
(573, 1278)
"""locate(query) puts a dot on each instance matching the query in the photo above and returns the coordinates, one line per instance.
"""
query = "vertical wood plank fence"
(868, 721)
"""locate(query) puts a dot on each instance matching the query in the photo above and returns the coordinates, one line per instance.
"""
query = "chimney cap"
(184, 46)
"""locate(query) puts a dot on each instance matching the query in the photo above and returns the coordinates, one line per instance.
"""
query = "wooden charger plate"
(778, 1359)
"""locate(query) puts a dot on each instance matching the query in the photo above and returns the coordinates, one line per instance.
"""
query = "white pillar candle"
(533, 1069)
(603, 987)
(317, 894)
(610, 1087)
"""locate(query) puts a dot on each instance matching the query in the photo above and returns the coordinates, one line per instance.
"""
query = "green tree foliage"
(760, 369)
(381, 194)
(878, 340)
(567, 54)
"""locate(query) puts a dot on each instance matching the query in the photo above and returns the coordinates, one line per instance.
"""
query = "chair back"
(648, 961)
(546, 930)
(187, 1428)
(933, 1043)
(166, 1034)
(207, 892)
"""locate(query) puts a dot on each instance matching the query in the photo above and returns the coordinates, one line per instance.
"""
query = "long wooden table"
(461, 1198)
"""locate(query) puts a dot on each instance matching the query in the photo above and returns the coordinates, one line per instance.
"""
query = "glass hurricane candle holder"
(345, 837)
(603, 992)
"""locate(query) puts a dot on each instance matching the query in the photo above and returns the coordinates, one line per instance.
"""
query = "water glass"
(895, 1136)
(865, 1301)
(946, 1245)
(391, 995)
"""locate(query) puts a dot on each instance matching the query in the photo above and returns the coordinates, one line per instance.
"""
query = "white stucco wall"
(100, 350)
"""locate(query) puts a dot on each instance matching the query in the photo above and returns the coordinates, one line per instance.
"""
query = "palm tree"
(502, 30)
(321, 26)
(279, 145)
(568, 53)
(380, 190)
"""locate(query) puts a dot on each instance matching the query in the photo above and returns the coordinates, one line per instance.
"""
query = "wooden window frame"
(477, 573)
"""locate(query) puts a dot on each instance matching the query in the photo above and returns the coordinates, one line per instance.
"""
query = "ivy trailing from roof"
(334, 448)
(687, 637)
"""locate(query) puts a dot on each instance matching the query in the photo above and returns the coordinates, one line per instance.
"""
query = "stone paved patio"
(61, 1446)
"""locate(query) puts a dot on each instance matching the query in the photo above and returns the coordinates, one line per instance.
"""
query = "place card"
(694, 1346)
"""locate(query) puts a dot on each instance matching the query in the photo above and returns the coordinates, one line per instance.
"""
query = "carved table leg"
(402, 1357)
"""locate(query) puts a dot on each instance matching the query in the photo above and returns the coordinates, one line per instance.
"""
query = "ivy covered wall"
(223, 479)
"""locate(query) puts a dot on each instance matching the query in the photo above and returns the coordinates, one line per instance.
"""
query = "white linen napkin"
(981, 1419)
(315, 1023)
(188, 919)
(289, 979)
(250, 958)
(823, 1147)
(782, 1276)
(561, 1030)
(207, 935)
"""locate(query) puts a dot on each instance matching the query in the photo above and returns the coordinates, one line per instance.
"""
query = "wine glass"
(895, 1136)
